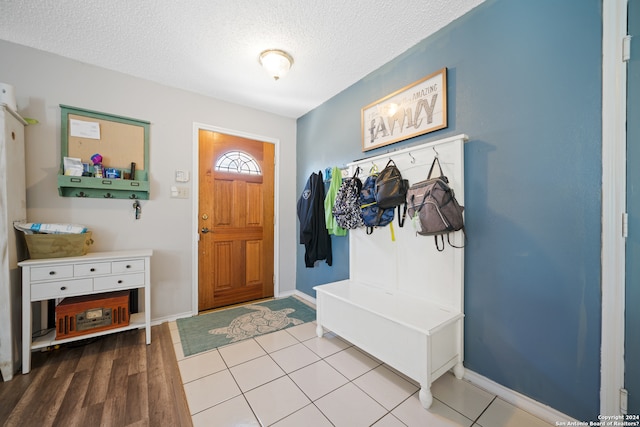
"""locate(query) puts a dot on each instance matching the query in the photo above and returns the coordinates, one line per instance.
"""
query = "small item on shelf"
(55, 240)
(96, 159)
(112, 173)
(97, 165)
(36, 227)
(133, 170)
(72, 166)
(41, 245)
(86, 314)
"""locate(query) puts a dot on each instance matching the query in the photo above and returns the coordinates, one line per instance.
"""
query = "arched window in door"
(238, 162)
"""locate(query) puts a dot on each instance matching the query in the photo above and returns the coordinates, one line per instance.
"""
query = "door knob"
(204, 230)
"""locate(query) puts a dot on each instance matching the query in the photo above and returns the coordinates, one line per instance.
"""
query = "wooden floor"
(116, 380)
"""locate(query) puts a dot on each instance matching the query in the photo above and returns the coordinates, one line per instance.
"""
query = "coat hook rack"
(413, 159)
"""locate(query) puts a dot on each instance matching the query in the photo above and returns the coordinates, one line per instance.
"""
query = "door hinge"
(625, 225)
(626, 48)
(623, 400)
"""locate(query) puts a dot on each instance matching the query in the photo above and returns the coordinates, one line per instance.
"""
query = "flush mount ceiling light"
(276, 62)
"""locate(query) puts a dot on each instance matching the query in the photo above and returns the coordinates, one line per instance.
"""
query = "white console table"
(94, 273)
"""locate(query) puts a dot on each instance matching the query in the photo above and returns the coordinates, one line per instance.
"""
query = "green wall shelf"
(87, 186)
(120, 140)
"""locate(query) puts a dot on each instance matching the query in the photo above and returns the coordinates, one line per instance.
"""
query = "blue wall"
(524, 82)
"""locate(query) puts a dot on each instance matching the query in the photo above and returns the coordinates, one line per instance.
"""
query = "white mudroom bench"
(404, 300)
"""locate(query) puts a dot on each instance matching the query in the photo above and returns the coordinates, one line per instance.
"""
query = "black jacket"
(313, 228)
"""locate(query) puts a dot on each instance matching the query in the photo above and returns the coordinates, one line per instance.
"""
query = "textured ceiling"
(211, 47)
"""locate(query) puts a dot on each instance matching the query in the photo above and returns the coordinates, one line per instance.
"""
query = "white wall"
(43, 81)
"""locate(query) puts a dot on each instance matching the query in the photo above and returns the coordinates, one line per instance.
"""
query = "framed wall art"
(416, 109)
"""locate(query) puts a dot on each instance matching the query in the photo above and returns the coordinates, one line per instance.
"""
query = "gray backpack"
(433, 208)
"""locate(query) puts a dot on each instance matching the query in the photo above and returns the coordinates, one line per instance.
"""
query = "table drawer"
(52, 272)
(92, 269)
(128, 266)
(118, 282)
(60, 289)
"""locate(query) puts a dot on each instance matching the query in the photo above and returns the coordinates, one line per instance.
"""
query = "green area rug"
(211, 330)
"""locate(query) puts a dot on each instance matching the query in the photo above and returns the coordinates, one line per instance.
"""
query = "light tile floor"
(292, 378)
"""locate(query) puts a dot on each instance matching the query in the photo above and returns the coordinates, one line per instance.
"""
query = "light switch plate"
(179, 192)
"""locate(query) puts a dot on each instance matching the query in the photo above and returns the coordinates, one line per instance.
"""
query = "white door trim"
(195, 209)
(614, 87)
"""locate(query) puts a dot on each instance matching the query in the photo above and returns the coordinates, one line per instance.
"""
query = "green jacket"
(329, 200)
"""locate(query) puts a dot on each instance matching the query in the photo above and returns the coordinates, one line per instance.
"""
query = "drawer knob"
(63, 288)
(92, 270)
(128, 266)
(120, 281)
(51, 273)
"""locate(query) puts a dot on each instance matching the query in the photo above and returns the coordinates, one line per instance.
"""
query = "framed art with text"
(416, 109)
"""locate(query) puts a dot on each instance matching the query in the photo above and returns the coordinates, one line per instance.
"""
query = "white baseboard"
(306, 297)
(299, 294)
(285, 294)
(161, 320)
(521, 401)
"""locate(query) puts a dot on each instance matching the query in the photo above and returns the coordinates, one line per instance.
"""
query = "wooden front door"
(235, 260)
